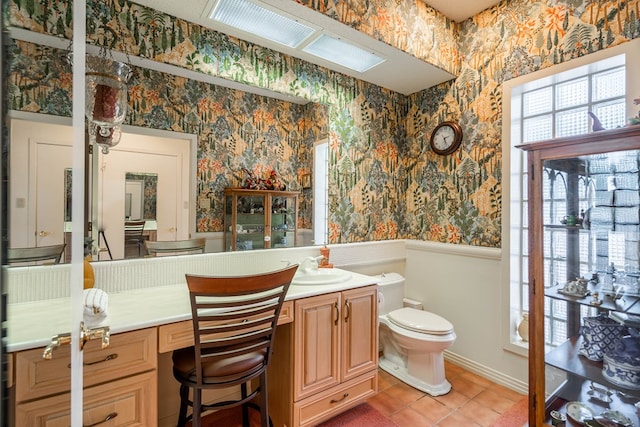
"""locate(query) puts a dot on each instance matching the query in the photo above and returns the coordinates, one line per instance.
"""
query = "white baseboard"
(488, 373)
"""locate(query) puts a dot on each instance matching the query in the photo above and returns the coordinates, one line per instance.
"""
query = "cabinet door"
(246, 218)
(317, 338)
(283, 221)
(584, 261)
(359, 331)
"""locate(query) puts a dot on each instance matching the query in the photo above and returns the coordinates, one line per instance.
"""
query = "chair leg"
(184, 398)
(197, 408)
(245, 407)
(264, 404)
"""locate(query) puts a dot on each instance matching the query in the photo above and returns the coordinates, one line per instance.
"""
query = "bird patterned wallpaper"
(384, 182)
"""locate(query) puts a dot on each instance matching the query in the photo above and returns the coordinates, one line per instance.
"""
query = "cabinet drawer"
(128, 402)
(327, 404)
(180, 334)
(128, 353)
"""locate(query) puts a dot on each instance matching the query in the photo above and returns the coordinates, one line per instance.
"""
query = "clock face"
(443, 138)
(446, 138)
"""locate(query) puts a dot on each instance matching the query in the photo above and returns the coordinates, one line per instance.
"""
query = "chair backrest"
(31, 255)
(176, 247)
(133, 229)
(236, 316)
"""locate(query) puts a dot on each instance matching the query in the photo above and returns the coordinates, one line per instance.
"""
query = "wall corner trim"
(451, 249)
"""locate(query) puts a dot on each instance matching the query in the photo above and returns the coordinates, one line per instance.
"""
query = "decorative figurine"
(250, 181)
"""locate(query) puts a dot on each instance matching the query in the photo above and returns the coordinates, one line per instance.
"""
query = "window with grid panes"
(558, 107)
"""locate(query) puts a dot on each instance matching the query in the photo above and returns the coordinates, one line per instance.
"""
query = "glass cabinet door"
(249, 211)
(283, 221)
(589, 215)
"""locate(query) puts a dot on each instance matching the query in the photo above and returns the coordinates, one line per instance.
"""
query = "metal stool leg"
(184, 400)
(245, 407)
(101, 233)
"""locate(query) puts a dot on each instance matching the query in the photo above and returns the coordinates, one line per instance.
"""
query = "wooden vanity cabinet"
(331, 351)
(259, 219)
(120, 383)
(596, 179)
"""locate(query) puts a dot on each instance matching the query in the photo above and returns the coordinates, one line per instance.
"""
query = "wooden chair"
(133, 234)
(234, 322)
(36, 254)
(176, 247)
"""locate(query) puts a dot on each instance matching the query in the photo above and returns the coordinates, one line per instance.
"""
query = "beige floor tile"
(453, 399)
(472, 402)
(495, 401)
(465, 386)
(512, 395)
(386, 380)
(384, 403)
(452, 370)
(404, 393)
(477, 379)
(457, 419)
(483, 415)
(408, 417)
(431, 409)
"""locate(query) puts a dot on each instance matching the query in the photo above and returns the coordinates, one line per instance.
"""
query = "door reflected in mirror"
(141, 190)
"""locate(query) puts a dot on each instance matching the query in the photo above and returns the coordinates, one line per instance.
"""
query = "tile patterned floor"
(473, 401)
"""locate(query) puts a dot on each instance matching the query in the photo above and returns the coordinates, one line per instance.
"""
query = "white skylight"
(252, 18)
(343, 53)
(276, 26)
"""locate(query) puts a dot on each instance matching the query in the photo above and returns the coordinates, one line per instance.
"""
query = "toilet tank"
(390, 292)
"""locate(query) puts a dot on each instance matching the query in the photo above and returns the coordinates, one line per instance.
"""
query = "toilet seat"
(420, 321)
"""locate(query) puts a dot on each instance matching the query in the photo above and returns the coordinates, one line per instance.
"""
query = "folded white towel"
(95, 302)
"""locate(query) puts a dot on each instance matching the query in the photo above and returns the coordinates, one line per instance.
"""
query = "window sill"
(518, 347)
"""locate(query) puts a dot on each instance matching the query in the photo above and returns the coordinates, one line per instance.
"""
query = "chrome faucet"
(313, 263)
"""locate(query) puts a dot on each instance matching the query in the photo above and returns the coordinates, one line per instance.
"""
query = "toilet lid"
(420, 321)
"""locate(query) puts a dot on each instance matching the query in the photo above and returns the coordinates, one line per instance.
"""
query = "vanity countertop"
(32, 324)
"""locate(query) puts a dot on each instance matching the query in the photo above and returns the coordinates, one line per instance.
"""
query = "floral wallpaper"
(459, 199)
(385, 182)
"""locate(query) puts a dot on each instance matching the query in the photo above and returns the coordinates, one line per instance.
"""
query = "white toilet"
(412, 340)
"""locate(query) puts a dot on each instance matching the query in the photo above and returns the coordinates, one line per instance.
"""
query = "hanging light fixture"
(106, 100)
(104, 136)
(106, 93)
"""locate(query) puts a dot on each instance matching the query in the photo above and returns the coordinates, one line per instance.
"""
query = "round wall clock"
(446, 138)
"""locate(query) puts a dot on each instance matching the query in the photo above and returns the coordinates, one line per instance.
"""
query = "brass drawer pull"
(347, 307)
(335, 305)
(344, 396)
(107, 418)
(106, 359)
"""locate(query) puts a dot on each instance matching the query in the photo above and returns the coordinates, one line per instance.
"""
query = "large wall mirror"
(229, 130)
(150, 175)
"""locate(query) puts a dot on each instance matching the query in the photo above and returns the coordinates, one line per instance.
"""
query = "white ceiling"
(415, 76)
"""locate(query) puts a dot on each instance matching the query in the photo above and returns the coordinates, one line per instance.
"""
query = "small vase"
(89, 277)
(523, 327)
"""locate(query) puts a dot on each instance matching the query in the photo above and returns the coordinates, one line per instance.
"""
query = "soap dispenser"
(324, 262)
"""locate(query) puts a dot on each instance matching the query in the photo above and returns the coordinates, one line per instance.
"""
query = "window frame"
(514, 188)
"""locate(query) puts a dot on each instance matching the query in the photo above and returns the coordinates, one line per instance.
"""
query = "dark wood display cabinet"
(583, 210)
(259, 219)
